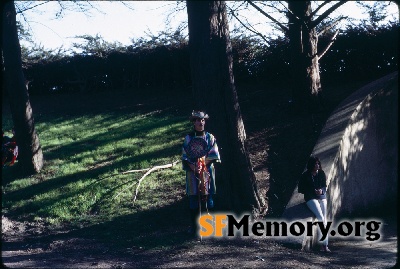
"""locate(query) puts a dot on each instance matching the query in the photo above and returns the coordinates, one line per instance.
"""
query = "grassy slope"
(88, 142)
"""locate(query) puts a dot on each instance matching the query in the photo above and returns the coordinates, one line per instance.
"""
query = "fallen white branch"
(133, 171)
(149, 171)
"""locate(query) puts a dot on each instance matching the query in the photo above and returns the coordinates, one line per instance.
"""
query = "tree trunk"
(306, 83)
(30, 153)
(214, 91)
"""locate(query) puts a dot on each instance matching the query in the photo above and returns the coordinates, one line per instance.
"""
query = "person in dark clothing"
(313, 185)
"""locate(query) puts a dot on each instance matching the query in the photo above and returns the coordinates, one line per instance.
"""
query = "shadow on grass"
(27, 193)
(10, 173)
(138, 130)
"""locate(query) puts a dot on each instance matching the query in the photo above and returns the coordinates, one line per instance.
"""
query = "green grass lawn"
(85, 155)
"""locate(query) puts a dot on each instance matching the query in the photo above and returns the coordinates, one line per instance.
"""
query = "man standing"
(199, 153)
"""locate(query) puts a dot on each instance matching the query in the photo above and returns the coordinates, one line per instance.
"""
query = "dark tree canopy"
(132, 67)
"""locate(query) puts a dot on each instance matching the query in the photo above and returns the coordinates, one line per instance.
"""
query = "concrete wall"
(363, 176)
(358, 150)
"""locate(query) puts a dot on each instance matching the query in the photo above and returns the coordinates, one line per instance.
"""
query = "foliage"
(362, 53)
(161, 63)
(95, 46)
(376, 11)
(103, 66)
(247, 54)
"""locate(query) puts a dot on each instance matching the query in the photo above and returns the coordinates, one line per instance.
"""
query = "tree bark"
(30, 153)
(304, 55)
(214, 91)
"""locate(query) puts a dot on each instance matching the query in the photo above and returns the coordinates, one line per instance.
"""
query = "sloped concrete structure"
(358, 149)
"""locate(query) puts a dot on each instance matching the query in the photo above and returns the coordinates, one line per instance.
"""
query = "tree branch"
(327, 13)
(134, 171)
(283, 27)
(251, 30)
(320, 55)
(25, 8)
(330, 26)
(319, 7)
(149, 171)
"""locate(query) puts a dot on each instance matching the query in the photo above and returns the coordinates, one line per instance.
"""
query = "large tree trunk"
(214, 91)
(30, 152)
(304, 55)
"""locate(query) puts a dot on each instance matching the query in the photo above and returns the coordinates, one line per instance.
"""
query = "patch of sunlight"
(59, 202)
(351, 143)
(69, 168)
(157, 147)
(122, 123)
(356, 127)
(157, 132)
(20, 183)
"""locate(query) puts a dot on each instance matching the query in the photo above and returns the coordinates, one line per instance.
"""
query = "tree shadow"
(27, 193)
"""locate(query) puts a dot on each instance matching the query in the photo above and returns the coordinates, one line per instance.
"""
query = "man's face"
(199, 124)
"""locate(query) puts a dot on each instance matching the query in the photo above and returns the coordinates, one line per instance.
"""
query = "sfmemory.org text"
(220, 225)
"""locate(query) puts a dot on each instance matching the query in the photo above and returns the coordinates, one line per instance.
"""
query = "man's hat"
(198, 115)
